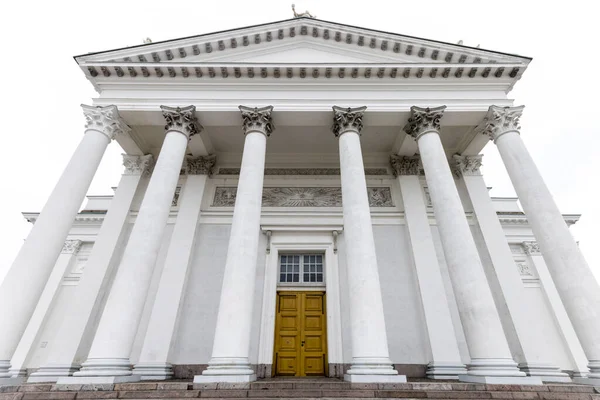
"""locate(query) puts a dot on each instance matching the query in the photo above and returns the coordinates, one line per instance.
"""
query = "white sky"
(42, 87)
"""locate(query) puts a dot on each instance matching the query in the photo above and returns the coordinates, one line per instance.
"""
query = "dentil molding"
(257, 119)
(303, 171)
(501, 120)
(423, 120)
(182, 120)
(345, 119)
(105, 120)
(467, 165)
(137, 165)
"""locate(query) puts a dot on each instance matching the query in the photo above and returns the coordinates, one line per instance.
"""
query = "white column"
(445, 356)
(108, 359)
(512, 292)
(576, 354)
(81, 318)
(231, 347)
(370, 356)
(30, 336)
(491, 359)
(25, 281)
(154, 359)
(574, 280)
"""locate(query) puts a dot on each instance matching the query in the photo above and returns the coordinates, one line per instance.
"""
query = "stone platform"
(297, 389)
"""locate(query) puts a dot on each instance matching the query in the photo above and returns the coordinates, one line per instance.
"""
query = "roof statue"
(304, 14)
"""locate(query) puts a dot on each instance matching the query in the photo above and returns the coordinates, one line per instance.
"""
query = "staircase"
(325, 388)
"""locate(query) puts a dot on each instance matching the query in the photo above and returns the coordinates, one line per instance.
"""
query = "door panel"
(300, 334)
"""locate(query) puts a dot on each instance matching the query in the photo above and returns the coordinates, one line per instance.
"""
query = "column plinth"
(231, 347)
(25, 281)
(491, 359)
(576, 285)
(370, 355)
(108, 359)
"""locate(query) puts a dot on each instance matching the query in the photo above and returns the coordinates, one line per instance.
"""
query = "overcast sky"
(42, 87)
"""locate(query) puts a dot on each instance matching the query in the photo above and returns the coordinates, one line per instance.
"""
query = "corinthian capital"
(137, 165)
(200, 165)
(467, 165)
(500, 120)
(105, 120)
(347, 119)
(181, 120)
(404, 165)
(257, 119)
(531, 248)
(71, 246)
(423, 120)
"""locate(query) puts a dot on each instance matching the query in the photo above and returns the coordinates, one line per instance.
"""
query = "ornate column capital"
(105, 120)
(257, 119)
(531, 248)
(405, 165)
(71, 246)
(466, 165)
(423, 120)
(181, 120)
(137, 165)
(347, 119)
(202, 165)
(501, 120)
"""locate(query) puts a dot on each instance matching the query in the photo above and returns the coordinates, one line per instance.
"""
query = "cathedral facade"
(300, 198)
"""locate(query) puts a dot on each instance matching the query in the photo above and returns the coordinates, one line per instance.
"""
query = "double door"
(300, 334)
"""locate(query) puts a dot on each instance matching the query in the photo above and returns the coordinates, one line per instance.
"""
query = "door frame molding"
(315, 241)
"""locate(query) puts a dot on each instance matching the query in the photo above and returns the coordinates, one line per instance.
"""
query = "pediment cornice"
(223, 55)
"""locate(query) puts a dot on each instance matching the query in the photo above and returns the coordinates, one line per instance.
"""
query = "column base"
(52, 373)
(227, 369)
(153, 371)
(445, 370)
(587, 381)
(21, 372)
(372, 378)
(5, 369)
(96, 380)
(13, 380)
(501, 380)
(373, 370)
(102, 371)
(547, 372)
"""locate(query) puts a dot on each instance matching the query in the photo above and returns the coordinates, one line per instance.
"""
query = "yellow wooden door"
(300, 334)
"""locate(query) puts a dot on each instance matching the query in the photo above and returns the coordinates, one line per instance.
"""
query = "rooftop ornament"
(305, 14)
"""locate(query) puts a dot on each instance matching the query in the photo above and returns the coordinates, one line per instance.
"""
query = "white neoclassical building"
(300, 198)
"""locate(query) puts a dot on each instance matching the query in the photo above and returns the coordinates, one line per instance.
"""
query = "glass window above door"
(301, 268)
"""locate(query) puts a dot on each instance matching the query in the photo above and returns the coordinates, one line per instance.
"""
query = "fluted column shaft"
(490, 354)
(370, 355)
(25, 281)
(109, 354)
(577, 286)
(231, 347)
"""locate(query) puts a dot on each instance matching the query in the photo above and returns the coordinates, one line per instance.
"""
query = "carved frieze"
(137, 165)
(303, 171)
(105, 119)
(345, 119)
(423, 120)
(257, 119)
(531, 248)
(500, 120)
(202, 165)
(182, 120)
(404, 165)
(524, 269)
(467, 165)
(71, 246)
(303, 197)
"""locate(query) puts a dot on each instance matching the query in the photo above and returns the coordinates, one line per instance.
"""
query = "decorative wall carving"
(500, 120)
(303, 171)
(347, 119)
(303, 197)
(71, 246)
(200, 165)
(466, 165)
(257, 119)
(531, 248)
(175, 201)
(524, 269)
(137, 165)
(423, 120)
(105, 119)
(404, 165)
(182, 120)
